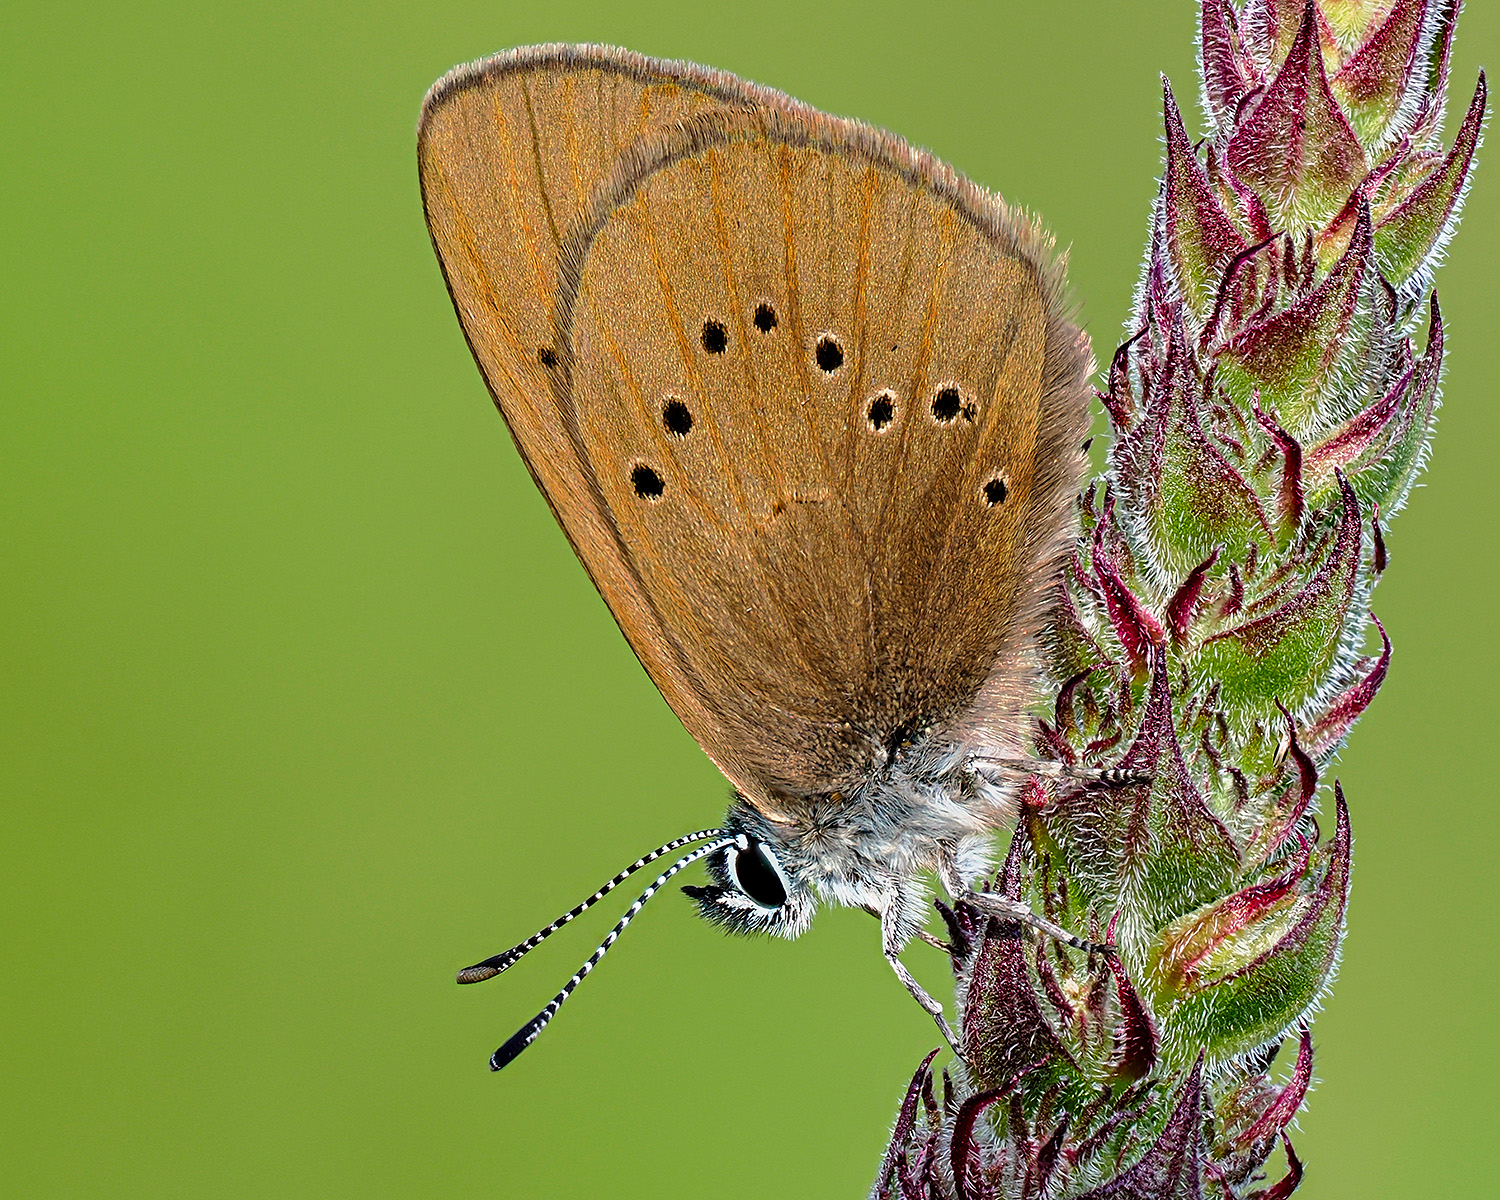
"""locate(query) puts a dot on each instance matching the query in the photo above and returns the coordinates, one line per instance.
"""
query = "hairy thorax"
(927, 810)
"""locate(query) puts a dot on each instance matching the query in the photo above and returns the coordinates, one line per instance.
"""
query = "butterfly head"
(758, 884)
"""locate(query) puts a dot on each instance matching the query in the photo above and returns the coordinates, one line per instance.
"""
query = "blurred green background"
(307, 703)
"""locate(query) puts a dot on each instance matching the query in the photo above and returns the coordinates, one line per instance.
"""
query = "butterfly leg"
(891, 942)
(1111, 777)
(1005, 909)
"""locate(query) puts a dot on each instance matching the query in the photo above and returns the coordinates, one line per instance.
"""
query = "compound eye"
(756, 872)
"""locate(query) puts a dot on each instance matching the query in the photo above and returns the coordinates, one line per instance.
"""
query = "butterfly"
(809, 407)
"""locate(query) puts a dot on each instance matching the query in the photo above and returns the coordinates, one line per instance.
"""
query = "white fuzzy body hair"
(926, 809)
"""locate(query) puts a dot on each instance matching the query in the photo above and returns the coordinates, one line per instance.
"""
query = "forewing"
(509, 152)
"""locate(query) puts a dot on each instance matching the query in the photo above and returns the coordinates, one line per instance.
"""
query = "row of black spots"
(948, 405)
(650, 486)
(828, 353)
(716, 337)
(676, 419)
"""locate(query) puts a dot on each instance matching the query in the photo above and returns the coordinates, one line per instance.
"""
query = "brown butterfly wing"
(509, 151)
(813, 422)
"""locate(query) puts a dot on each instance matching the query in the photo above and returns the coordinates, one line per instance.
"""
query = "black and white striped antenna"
(491, 967)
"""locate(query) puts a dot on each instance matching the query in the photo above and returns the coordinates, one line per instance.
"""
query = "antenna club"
(519, 1040)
